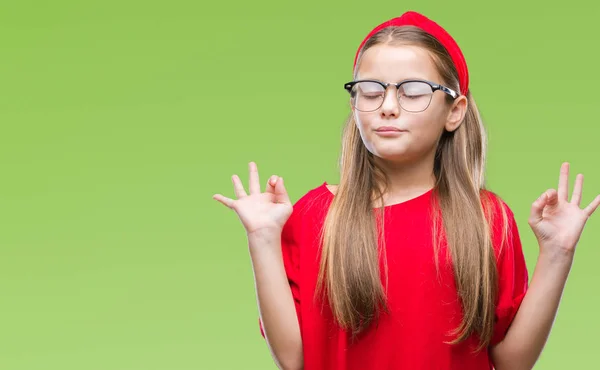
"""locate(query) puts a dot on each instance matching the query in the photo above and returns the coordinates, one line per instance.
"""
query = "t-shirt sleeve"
(512, 274)
(291, 257)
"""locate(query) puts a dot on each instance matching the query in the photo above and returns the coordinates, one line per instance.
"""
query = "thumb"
(537, 208)
(281, 195)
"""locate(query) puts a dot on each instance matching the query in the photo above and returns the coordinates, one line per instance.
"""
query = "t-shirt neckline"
(416, 199)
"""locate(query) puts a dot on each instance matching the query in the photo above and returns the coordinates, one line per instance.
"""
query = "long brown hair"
(349, 270)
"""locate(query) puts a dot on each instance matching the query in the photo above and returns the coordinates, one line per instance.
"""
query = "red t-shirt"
(422, 310)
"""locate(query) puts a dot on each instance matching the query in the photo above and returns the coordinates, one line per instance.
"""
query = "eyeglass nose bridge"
(395, 96)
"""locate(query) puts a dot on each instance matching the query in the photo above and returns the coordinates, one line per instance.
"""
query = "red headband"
(412, 18)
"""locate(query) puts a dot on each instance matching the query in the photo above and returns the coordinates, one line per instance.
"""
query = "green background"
(121, 119)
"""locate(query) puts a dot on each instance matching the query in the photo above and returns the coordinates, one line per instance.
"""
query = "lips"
(389, 129)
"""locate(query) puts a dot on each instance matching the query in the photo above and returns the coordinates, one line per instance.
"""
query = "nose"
(390, 106)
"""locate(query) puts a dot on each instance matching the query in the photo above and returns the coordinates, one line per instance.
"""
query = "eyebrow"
(405, 79)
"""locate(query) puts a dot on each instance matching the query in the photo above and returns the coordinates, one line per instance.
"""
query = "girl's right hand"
(258, 211)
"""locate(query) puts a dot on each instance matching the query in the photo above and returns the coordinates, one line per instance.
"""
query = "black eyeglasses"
(413, 95)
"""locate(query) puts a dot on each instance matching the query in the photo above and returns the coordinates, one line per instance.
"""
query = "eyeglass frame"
(434, 87)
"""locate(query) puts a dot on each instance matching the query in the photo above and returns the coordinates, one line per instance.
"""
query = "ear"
(457, 113)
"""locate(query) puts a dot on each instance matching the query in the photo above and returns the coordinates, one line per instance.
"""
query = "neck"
(407, 180)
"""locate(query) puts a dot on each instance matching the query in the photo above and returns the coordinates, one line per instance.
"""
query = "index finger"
(589, 210)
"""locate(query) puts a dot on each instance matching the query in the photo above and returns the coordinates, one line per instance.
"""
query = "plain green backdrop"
(121, 119)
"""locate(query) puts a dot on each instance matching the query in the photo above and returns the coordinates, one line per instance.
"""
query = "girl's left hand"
(557, 222)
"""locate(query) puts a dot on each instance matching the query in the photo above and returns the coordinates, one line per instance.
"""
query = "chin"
(391, 154)
(396, 158)
(389, 148)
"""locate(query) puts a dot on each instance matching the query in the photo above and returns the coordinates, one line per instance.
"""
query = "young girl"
(408, 263)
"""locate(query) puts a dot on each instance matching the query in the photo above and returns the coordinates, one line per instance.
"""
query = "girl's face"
(419, 131)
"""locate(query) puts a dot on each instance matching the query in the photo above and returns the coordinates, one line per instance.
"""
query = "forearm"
(533, 322)
(275, 302)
